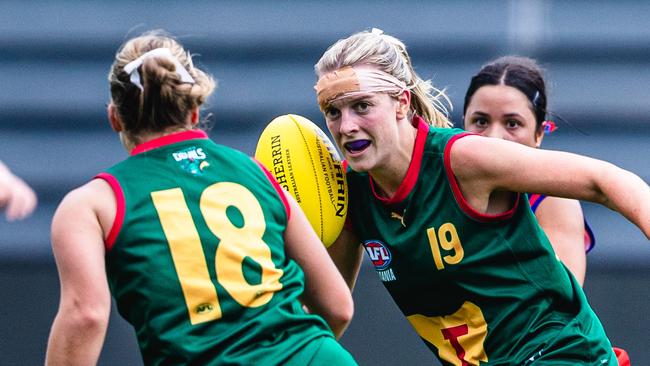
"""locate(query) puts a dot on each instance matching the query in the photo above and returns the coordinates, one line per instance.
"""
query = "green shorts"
(323, 351)
(575, 346)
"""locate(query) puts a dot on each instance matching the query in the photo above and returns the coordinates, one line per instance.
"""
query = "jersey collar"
(168, 139)
(414, 167)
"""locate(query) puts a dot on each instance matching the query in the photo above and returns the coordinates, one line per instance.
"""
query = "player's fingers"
(22, 203)
(4, 197)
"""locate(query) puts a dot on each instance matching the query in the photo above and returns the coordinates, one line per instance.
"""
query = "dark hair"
(521, 73)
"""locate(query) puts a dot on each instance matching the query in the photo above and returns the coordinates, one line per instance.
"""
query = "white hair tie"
(134, 77)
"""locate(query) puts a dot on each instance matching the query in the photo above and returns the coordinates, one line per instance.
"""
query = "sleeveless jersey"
(196, 260)
(534, 199)
(478, 289)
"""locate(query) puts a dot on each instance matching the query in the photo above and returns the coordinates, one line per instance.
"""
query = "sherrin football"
(306, 164)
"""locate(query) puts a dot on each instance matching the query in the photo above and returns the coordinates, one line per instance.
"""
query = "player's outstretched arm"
(16, 196)
(326, 293)
(556, 173)
(79, 328)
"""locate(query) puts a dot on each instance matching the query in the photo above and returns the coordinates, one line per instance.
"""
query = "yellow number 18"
(236, 243)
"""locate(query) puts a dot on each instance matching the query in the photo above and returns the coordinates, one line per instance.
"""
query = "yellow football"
(306, 164)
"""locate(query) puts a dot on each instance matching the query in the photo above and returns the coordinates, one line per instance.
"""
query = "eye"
(361, 106)
(331, 112)
(512, 123)
(480, 122)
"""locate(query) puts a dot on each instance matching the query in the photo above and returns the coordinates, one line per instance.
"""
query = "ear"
(404, 103)
(539, 136)
(194, 116)
(114, 117)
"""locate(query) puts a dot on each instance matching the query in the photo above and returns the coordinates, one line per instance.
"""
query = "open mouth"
(356, 146)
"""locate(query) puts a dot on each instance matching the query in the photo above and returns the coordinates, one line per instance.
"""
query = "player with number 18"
(205, 255)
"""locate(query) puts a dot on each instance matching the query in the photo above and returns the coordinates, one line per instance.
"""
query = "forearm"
(347, 254)
(327, 295)
(75, 339)
(628, 194)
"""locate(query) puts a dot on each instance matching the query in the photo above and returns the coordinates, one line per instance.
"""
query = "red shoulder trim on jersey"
(277, 187)
(460, 199)
(413, 170)
(169, 139)
(621, 356)
(119, 213)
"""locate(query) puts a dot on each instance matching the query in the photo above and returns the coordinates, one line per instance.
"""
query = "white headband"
(158, 52)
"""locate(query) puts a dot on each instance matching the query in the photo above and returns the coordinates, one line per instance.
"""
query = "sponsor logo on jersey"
(191, 159)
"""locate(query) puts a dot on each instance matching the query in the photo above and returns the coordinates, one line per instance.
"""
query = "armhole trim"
(458, 195)
(277, 187)
(590, 240)
(120, 208)
(535, 199)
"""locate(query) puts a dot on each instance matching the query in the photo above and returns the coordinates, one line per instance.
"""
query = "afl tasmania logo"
(378, 253)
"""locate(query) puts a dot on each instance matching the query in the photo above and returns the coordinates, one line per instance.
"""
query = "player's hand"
(18, 199)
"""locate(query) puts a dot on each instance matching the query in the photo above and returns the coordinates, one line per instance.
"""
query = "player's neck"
(143, 137)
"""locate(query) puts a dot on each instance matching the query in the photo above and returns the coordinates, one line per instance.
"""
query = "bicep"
(488, 164)
(78, 247)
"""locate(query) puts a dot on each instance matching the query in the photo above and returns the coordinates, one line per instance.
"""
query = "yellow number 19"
(236, 243)
(447, 239)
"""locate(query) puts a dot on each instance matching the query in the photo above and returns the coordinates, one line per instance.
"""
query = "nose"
(494, 130)
(348, 123)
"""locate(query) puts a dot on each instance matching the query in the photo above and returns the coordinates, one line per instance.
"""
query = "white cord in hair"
(132, 66)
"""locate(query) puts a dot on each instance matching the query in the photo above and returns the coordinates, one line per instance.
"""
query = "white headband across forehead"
(132, 66)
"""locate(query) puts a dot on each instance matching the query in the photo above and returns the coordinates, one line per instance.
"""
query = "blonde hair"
(165, 100)
(389, 55)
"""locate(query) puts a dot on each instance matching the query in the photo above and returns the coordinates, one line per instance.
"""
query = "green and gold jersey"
(478, 289)
(196, 259)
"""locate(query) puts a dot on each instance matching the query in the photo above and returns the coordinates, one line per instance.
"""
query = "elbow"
(76, 336)
(91, 319)
(341, 317)
(346, 312)
(87, 319)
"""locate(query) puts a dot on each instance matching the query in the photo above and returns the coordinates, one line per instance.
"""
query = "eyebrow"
(352, 99)
(513, 115)
(483, 114)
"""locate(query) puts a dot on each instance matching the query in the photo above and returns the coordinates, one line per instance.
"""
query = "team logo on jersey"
(191, 159)
(378, 253)
(381, 258)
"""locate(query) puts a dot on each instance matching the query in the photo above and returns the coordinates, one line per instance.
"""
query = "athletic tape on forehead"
(348, 81)
(132, 66)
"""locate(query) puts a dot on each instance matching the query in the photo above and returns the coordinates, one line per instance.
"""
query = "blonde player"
(205, 255)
